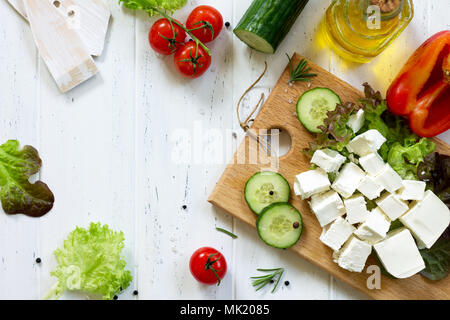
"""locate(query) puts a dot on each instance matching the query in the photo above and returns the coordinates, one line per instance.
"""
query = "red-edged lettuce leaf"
(17, 194)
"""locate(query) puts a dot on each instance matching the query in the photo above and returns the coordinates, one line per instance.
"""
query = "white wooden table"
(107, 148)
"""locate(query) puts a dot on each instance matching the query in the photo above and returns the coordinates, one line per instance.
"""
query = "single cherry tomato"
(166, 38)
(205, 22)
(208, 266)
(191, 60)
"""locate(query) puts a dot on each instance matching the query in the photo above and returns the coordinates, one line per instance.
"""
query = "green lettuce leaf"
(437, 260)
(150, 5)
(405, 159)
(91, 261)
(17, 194)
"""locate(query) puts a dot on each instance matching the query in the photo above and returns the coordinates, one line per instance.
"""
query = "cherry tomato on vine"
(205, 22)
(191, 60)
(208, 266)
(164, 39)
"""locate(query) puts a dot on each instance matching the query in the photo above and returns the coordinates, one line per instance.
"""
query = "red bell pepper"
(421, 91)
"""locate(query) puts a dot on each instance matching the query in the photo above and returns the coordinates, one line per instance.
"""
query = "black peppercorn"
(227, 24)
(135, 292)
(38, 260)
(116, 297)
(296, 225)
(184, 207)
(286, 283)
(271, 192)
(272, 281)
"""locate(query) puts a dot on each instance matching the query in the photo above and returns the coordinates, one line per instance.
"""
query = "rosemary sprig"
(300, 73)
(261, 281)
(227, 232)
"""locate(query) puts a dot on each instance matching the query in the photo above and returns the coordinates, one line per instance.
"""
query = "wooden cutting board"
(279, 112)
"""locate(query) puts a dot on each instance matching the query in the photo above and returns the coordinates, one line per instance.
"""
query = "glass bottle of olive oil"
(359, 30)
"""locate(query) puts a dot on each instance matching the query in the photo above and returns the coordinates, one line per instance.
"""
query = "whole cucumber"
(266, 23)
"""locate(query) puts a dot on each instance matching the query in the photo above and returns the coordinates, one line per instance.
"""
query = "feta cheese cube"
(353, 255)
(374, 228)
(356, 209)
(348, 179)
(399, 254)
(392, 205)
(412, 190)
(327, 207)
(370, 188)
(372, 163)
(327, 159)
(311, 182)
(335, 234)
(367, 142)
(427, 219)
(356, 121)
(389, 179)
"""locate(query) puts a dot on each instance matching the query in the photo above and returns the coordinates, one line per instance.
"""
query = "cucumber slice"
(280, 225)
(265, 188)
(313, 105)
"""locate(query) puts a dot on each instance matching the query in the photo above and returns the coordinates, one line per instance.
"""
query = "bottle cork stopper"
(387, 6)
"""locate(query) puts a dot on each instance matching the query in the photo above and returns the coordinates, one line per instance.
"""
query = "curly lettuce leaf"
(150, 5)
(405, 159)
(335, 134)
(90, 260)
(17, 194)
(435, 171)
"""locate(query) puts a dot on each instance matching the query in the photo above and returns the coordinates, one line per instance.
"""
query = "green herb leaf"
(90, 260)
(301, 72)
(227, 232)
(150, 5)
(260, 282)
(437, 260)
(17, 194)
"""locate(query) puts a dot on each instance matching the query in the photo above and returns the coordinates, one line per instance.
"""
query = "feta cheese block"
(335, 234)
(389, 179)
(375, 227)
(348, 179)
(327, 207)
(327, 159)
(353, 255)
(370, 188)
(427, 219)
(311, 182)
(399, 254)
(372, 163)
(356, 121)
(412, 190)
(365, 143)
(392, 205)
(356, 209)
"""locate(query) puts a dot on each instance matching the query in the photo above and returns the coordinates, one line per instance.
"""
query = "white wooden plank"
(19, 112)
(88, 137)
(168, 103)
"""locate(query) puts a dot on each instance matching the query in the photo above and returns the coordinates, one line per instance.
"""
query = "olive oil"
(359, 30)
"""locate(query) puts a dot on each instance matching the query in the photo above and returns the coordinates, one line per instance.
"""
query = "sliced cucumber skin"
(271, 210)
(303, 110)
(270, 20)
(284, 197)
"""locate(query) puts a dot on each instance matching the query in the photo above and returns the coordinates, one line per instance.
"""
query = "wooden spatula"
(59, 45)
(89, 18)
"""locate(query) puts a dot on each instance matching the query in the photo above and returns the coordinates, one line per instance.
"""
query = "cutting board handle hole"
(56, 3)
(279, 139)
(71, 13)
